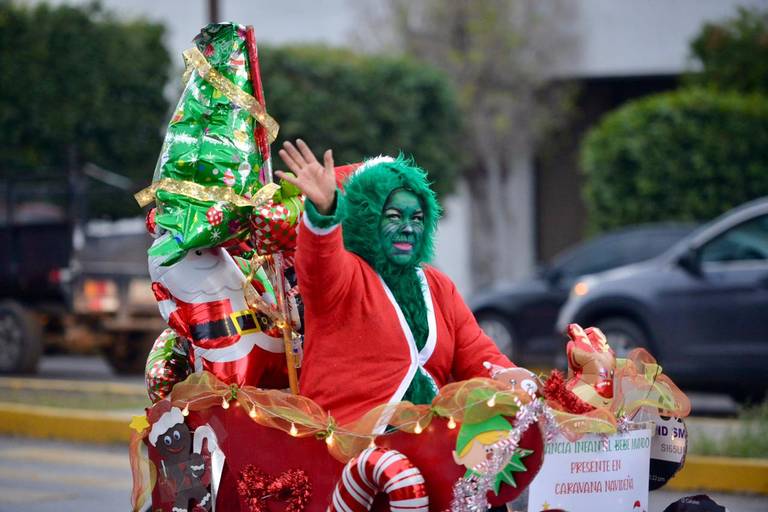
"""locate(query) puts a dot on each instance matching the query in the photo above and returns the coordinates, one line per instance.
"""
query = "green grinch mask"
(401, 229)
(367, 193)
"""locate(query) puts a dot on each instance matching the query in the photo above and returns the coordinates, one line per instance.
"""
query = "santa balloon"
(201, 297)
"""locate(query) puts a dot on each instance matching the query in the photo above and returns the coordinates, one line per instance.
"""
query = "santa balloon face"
(202, 272)
(175, 443)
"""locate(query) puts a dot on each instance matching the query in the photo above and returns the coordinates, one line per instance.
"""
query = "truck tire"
(127, 354)
(21, 340)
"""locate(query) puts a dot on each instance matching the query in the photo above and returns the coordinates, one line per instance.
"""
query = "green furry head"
(365, 194)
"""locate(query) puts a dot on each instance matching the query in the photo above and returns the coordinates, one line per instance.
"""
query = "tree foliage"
(79, 86)
(363, 106)
(501, 56)
(685, 155)
(733, 54)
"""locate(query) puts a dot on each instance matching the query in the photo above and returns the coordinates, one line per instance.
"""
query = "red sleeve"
(472, 346)
(324, 268)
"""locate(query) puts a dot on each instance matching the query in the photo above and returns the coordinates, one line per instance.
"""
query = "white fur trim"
(166, 421)
(412, 367)
(166, 308)
(417, 359)
(373, 161)
(318, 230)
(240, 348)
(429, 347)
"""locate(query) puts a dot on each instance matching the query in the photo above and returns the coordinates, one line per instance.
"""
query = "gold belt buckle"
(238, 315)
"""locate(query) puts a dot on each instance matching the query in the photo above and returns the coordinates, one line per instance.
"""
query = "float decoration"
(291, 421)
(206, 181)
(168, 362)
(603, 392)
(606, 410)
(379, 470)
(201, 298)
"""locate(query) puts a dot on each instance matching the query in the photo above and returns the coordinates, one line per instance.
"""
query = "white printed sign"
(594, 473)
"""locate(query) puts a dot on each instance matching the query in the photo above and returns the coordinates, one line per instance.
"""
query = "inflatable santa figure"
(201, 297)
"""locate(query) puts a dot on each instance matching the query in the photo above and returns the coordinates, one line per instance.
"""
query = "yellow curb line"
(65, 424)
(115, 388)
(726, 474)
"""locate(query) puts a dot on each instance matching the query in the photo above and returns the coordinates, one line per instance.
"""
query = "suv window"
(619, 249)
(747, 241)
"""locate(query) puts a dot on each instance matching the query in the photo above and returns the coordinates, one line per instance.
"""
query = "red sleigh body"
(246, 443)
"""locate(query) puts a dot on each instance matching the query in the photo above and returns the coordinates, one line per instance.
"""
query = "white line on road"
(89, 482)
(65, 456)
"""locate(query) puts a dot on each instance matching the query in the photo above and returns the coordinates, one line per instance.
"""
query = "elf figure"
(201, 297)
(474, 446)
(183, 475)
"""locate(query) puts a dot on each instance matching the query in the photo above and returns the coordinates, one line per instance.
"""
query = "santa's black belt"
(237, 324)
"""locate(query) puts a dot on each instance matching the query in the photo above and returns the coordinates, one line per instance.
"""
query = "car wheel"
(20, 339)
(623, 335)
(500, 331)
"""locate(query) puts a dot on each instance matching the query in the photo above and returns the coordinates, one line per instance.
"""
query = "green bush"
(79, 86)
(363, 106)
(748, 437)
(686, 155)
(733, 54)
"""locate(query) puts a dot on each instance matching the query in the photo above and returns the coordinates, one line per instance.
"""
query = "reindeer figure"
(591, 363)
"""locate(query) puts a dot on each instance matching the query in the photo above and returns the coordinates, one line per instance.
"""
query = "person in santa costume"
(381, 326)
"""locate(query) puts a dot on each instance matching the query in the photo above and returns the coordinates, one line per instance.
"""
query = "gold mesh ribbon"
(299, 416)
(194, 59)
(639, 382)
(203, 193)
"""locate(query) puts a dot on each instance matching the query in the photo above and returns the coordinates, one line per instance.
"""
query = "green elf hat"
(469, 431)
(479, 419)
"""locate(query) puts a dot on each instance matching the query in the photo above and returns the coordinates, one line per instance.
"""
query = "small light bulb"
(294, 431)
(329, 439)
(224, 403)
(451, 423)
(491, 401)
(372, 444)
(252, 414)
(185, 411)
(417, 429)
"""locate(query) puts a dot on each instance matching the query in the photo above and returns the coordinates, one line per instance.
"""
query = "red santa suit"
(359, 351)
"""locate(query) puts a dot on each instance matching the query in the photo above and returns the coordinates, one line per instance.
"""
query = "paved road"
(48, 476)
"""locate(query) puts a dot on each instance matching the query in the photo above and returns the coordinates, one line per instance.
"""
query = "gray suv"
(701, 307)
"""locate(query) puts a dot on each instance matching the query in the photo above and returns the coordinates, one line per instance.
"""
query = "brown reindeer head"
(591, 364)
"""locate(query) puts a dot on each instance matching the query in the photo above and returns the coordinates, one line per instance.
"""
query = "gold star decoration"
(139, 423)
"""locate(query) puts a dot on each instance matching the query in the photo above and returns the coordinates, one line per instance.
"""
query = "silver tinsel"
(471, 494)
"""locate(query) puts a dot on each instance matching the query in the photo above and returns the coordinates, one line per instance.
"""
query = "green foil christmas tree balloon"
(207, 175)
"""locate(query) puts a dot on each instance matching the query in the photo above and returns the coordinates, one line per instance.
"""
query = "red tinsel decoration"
(563, 398)
(257, 487)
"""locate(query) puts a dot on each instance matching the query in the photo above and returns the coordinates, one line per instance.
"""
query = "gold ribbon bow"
(203, 193)
(194, 59)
